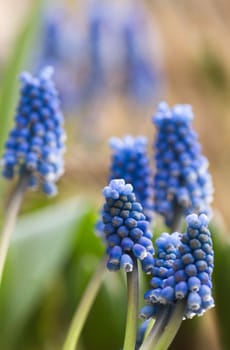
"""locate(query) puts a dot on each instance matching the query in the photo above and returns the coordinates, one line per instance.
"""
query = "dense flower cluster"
(182, 179)
(36, 144)
(183, 270)
(166, 254)
(125, 228)
(131, 163)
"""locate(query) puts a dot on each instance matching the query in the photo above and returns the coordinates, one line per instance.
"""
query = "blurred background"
(114, 61)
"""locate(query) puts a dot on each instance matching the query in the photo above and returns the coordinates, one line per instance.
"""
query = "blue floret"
(183, 269)
(182, 180)
(130, 162)
(36, 144)
(125, 228)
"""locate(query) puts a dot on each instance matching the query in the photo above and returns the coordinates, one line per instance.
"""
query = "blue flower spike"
(183, 269)
(130, 162)
(163, 281)
(125, 228)
(36, 144)
(181, 178)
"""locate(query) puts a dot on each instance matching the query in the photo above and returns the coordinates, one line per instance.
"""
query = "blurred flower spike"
(36, 144)
(130, 162)
(182, 180)
(126, 228)
(87, 65)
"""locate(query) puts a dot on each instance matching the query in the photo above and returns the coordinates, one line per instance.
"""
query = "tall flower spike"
(189, 274)
(131, 163)
(36, 144)
(182, 179)
(125, 228)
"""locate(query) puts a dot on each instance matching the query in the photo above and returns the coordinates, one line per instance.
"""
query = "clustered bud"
(130, 162)
(183, 270)
(36, 144)
(183, 266)
(182, 178)
(125, 228)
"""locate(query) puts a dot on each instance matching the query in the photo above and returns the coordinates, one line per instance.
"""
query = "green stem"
(157, 329)
(10, 220)
(178, 219)
(82, 311)
(132, 308)
(150, 326)
(174, 322)
(165, 328)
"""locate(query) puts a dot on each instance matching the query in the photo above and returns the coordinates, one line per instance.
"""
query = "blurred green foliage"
(41, 244)
(222, 284)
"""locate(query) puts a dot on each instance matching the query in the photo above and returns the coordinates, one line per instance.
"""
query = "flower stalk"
(83, 309)
(178, 219)
(171, 328)
(156, 331)
(132, 309)
(165, 327)
(10, 220)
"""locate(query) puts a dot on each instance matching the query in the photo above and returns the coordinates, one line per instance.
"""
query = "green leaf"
(40, 246)
(106, 321)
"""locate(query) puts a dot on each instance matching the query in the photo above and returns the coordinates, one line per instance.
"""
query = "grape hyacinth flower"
(136, 63)
(143, 76)
(163, 274)
(182, 181)
(36, 144)
(134, 69)
(185, 273)
(197, 260)
(131, 163)
(34, 149)
(125, 228)
(167, 253)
